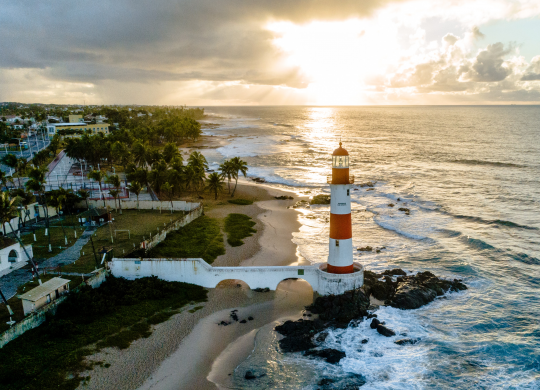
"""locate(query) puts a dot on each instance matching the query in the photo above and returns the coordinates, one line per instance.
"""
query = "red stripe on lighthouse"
(340, 270)
(340, 226)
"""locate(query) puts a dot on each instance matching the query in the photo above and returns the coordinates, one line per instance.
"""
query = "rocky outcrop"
(332, 356)
(341, 308)
(408, 292)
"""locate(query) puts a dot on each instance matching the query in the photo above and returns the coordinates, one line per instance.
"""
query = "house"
(43, 295)
(12, 255)
(76, 128)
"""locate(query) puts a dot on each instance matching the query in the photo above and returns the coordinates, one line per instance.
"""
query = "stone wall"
(36, 318)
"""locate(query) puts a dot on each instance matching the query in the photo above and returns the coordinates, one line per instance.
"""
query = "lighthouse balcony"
(329, 180)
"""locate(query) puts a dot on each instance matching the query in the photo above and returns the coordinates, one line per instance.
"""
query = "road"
(35, 144)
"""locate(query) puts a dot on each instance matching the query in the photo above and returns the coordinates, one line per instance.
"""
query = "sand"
(190, 350)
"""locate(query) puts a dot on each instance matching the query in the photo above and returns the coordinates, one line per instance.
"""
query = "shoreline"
(186, 350)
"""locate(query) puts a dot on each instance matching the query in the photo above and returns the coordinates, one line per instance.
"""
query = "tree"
(139, 153)
(98, 176)
(26, 198)
(169, 152)
(36, 183)
(54, 145)
(84, 195)
(114, 180)
(136, 188)
(167, 189)
(214, 183)
(11, 161)
(238, 166)
(4, 180)
(227, 171)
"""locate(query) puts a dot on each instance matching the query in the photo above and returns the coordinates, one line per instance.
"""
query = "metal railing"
(329, 179)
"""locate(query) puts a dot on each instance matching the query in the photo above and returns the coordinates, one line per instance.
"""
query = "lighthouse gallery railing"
(329, 179)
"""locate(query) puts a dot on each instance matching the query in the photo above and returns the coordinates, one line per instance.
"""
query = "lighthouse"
(340, 253)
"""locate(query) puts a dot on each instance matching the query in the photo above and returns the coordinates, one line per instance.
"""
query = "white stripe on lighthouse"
(340, 255)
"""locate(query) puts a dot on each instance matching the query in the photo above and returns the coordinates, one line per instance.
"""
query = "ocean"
(470, 177)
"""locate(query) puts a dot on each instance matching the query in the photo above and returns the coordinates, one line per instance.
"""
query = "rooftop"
(46, 288)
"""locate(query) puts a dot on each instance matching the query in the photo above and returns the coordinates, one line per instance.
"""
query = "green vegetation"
(140, 223)
(201, 238)
(113, 315)
(238, 226)
(241, 202)
(56, 232)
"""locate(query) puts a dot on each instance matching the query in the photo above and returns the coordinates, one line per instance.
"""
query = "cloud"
(489, 64)
(533, 71)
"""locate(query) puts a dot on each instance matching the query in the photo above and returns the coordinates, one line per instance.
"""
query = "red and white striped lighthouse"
(340, 254)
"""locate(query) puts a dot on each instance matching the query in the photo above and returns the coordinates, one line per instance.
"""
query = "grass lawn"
(58, 243)
(140, 223)
(237, 227)
(201, 238)
(51, 356)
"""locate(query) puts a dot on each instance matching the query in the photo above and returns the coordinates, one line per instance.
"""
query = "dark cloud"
(144, 41)
(488, 65)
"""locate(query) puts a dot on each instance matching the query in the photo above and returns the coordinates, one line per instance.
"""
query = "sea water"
(470, 177)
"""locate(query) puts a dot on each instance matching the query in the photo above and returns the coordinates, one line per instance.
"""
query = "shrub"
(241, 202)
(238, 226)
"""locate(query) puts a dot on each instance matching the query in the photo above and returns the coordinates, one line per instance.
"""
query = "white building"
(13, 257)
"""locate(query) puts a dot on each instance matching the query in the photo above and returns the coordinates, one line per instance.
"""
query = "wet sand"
(190, 350)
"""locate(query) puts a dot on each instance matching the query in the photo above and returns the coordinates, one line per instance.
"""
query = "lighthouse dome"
(340, 151)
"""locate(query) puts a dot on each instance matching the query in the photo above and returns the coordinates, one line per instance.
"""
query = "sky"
(280, 52)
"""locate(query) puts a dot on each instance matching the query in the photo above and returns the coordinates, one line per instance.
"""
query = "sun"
(337, 57)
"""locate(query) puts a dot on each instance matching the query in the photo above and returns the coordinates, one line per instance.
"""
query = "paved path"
(10, 282)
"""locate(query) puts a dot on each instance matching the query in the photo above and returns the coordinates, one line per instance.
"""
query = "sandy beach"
(190, 350)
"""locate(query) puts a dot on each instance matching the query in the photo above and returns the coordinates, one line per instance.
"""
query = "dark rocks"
(234, 316)
(250, 318)
(332, 356)
(321, 337)
(249, 375)
(405, 341)
(395, 271)
(243, 321)
(298, 334)
(391, 205)
(283, 197)
(341, 308)
(224, 323)
(404, 209)
(266, 289)
(258, 180)
(417, 290)
(374, 323)
(365, 249)
(352, 382)
(367, 184)
(320, 199)
(385, 331)
(365, 341)
(408, 292)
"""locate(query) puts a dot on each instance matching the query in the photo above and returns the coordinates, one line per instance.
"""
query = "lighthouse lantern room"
(340, 253)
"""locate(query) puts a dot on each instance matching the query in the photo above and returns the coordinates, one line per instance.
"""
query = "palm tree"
(114, 180)
(136, 188)
(26, 198)
(139, 153)
(227, 171)
(22, 164)
(168, 190)
(238, 166)
(5, 179)
(84, 195)
(11, 161)
(36, 183)
(98, 176)
(197, 159)
(214, 183)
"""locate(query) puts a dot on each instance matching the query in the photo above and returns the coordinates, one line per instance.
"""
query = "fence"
(192, 215)
(38, 317)
(178, 205)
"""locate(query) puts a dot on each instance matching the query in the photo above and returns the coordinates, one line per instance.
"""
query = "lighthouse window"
(337, 243)
(348, 194)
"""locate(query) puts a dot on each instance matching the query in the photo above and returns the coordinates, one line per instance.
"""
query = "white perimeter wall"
(199, 272)
(177, 205)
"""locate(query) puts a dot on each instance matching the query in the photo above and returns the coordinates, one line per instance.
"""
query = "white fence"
(177, 205)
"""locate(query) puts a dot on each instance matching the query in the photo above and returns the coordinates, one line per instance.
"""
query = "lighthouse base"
(332, 269)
